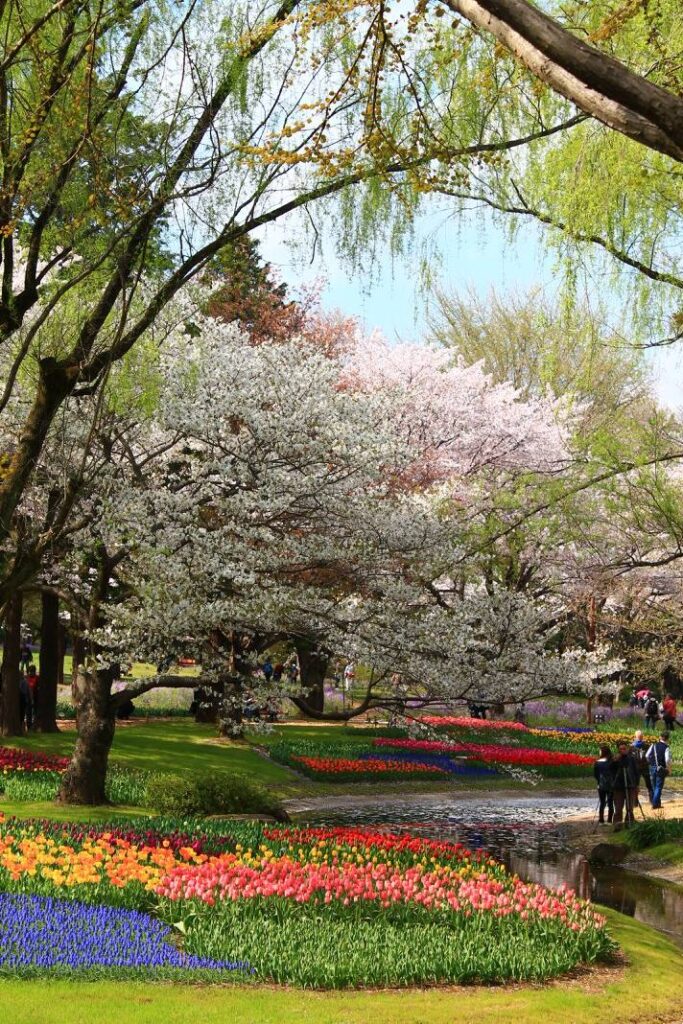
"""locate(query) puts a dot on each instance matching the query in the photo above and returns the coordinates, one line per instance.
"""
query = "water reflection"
(527, 836)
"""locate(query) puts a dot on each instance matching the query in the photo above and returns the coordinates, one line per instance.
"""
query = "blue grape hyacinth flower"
(41, 932)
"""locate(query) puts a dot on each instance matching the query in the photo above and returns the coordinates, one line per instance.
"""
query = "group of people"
(667, 710)
(619, 775)
(274, 673)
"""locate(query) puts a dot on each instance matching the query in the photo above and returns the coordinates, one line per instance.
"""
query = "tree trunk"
(592, 636)
(313, 669)
(54, 384)
(11, 723)
(209, 700)
(77, 654)
(85, 778)
(61, 651)
(231, 717)
(45, 715)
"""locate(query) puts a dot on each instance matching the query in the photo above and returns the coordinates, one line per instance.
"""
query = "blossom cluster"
(228, 878)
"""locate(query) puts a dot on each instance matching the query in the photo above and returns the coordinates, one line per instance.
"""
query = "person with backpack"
(602, 770)
(659, 760)
(651, 712)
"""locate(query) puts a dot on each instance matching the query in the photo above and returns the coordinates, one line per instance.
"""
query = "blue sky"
(474, 254)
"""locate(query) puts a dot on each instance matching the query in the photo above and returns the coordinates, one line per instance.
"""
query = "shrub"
(211, 794)
(653, 832)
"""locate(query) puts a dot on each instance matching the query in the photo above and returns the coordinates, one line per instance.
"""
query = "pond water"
(527, 835)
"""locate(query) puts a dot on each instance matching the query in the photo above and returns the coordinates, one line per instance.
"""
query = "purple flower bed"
(575, 711)
(37, 932)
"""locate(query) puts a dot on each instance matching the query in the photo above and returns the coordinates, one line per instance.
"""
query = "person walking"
(640, 748)
(25, 657)
(349, 676)
(669, 712)
(651, 712)
(659, 761)
(25, 703)
(604, 776)
(625, 785)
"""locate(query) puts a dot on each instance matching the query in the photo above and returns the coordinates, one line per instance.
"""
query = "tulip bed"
(341, 768)
(550, 761)
(585, 742)
(463, 722)
(327, 908)
(15, 760)
(569, 738)
(385, 758)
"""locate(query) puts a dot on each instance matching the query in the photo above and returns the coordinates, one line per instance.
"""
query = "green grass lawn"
(647, 989)
(171, 746)
(670, 853)
(175, 747)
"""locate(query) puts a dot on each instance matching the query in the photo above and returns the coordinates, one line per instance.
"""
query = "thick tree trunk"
(85, 778)
(10, 718)
(313, 669)
(45, 715)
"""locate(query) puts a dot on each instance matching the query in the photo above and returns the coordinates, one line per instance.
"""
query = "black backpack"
(652, 708)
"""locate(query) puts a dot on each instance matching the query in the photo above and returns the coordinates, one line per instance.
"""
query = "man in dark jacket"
(625, 788)
(639, 748)
(659, 760)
